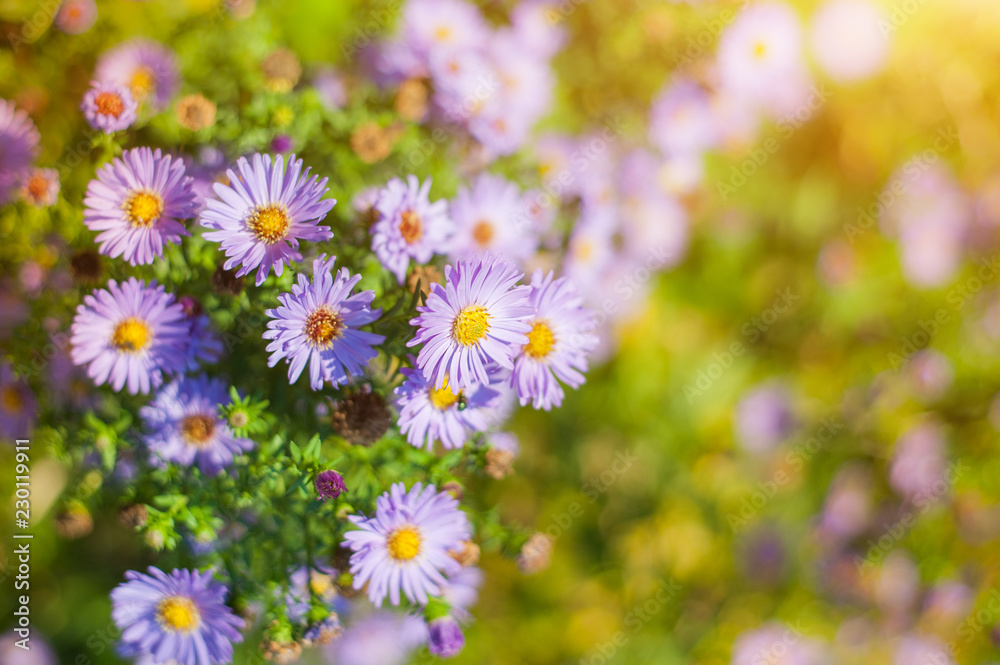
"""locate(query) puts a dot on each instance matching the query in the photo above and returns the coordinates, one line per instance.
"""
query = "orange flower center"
(109, 103)
(37, 186)
(11, 399)
(483, 233)
(323, 326)
(197, 429)
(411, 227)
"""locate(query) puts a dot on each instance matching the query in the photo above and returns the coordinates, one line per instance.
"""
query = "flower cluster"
(221, 451)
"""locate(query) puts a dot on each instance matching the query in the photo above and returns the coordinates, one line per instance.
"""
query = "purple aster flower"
(488, 218)
(405, 546)
(76, 16)
(147, 68)
(40, 187)
(409, 225)
(185, 425)
(427, 414)
(558, 343)
(136, 202)
(760, 59)
(681, 120)
(329, 484)
(18, 147)
(429, 25)
(526, 81)
(446, 638)
(181, 616)
(109, 107)
(462, 78)
(130, 334)
(535, 29)
(17, 405)
(380, 638)
(477, 318)
(500, 128)
(264, 212)
(318, 323)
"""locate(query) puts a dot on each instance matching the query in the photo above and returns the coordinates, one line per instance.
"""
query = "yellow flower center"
(540, 340)
(583, 251)
(143, 82)
(759, 50)
(178, 614)
(108, 103)
(443, 33)
(197, 429)
(442, 398)
(269, 223)
(411, 227)
(323, 326)
(11, 399)
(471, 325)
(131, 335)
(143, 207)
(482, 233)
(404, 543)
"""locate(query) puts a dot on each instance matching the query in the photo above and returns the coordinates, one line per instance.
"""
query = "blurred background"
(787, 453)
